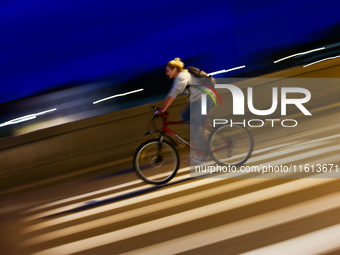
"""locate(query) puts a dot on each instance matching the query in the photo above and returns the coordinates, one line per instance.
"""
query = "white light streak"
(298, 54)
(321, 60)
(118, 95)
(228, 70)
(25, 118)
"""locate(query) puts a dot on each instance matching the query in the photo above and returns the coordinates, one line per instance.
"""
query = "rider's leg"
(197, 122)
(185, 113)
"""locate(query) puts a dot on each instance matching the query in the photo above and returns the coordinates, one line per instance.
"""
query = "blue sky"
(46, 44)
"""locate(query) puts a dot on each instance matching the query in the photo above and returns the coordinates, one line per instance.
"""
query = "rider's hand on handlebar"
(158, 112)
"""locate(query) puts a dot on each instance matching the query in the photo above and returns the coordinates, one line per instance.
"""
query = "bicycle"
(156, 161)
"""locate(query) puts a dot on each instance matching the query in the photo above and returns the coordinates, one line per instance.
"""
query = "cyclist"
(182, 79)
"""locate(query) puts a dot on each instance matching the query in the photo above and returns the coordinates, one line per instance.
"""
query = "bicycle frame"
(160, 155)
(165, 129)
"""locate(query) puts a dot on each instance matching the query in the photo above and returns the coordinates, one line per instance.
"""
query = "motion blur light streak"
(41, 125)
(311, 243)
(321, 60)
(18, 120)
(183, 217)
(118, 95)
(244, 227)
(225, 71)
(26, 118)
(298, 54)
(53, 45)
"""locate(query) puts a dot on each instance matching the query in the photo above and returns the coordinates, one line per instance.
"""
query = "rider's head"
(174, 67)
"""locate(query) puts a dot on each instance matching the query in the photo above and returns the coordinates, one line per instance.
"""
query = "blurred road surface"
(118, 214)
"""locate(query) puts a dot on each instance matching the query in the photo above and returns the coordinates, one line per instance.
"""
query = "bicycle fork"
(159, 156)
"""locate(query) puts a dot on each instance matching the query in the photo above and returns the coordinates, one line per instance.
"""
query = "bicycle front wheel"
(231, 145)
(154, 164)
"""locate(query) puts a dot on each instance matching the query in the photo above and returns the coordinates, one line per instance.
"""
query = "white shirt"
(184, 79)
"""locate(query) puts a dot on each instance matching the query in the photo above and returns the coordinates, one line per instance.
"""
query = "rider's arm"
(180, 84)
(167, 102)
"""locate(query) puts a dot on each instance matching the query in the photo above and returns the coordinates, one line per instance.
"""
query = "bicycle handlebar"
(157, 113)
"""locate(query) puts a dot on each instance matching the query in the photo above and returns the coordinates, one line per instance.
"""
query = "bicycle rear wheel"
(231, 145)
(155, 168)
